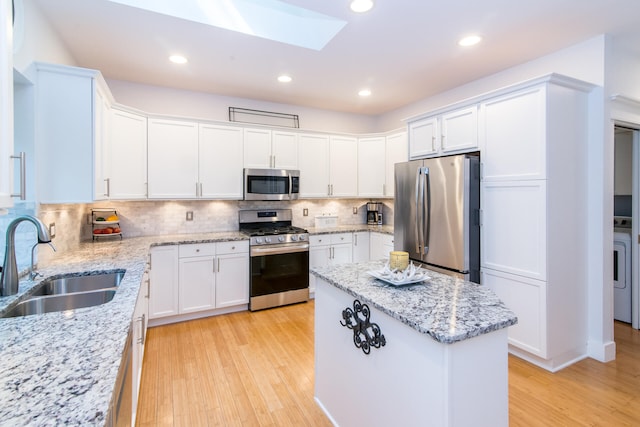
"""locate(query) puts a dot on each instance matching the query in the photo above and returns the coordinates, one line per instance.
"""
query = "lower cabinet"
(380, 245)
(139, 336)
(360, 246)
(328, 249)
(198, 278)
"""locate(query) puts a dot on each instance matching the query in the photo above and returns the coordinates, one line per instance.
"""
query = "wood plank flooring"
(256, 369)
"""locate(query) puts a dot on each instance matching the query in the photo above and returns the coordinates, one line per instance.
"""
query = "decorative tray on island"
(409, 276)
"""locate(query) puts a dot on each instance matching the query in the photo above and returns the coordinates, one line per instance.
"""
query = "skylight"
(269, 19)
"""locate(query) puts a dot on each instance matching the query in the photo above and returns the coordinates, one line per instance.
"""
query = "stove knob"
(280, 238)
(294, 238)
(302, 237)
(259, 240)
(267, 239)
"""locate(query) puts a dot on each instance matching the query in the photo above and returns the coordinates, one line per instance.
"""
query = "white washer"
(622, 276)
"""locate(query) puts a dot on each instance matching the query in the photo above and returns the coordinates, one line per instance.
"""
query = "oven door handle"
(279, 249)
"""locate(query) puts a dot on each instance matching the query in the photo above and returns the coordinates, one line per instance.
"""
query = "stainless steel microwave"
(271, 184)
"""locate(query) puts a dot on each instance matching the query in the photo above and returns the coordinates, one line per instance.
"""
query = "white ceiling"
(403, 50)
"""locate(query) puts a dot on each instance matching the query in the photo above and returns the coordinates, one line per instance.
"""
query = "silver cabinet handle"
(218, 264)
(108, 187)
(142, 320)
(23, 171)
(328, 189)
(148, 288)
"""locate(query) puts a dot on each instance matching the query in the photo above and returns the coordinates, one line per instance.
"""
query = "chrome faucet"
(9, 279)
(33, 273)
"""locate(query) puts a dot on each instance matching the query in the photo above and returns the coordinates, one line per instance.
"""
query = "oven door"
(279, 275)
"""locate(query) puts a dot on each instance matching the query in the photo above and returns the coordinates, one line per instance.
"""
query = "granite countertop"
(446, 308)
(384, 229)
(60, 368)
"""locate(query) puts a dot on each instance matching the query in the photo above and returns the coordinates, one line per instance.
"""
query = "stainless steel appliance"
(436, 213)
(271, 184)
(279, 267)
(622, 302)
(374, 213)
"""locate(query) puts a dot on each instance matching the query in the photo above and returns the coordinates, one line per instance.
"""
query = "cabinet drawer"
(323, 239)
(200, 249)
(341, 238)
(236, 246)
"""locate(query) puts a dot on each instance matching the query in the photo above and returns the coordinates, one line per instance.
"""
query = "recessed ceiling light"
(361, 6)
(469, 40)
(364, 92)
(284, 78)
(178, 59)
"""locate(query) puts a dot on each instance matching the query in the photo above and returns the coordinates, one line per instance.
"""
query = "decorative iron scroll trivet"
(365, 333)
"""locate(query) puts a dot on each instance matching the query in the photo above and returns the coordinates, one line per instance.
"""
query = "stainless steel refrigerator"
(436, 213)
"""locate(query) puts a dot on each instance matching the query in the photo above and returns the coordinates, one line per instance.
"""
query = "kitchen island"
(436, 352)
(60, 368)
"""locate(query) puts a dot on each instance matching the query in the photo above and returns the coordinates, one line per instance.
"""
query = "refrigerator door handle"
(419, 213)
(427, 208)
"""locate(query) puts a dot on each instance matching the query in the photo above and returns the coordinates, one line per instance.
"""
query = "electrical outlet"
(52, 230)
(305, 212)
(189, 215)
(355, 210)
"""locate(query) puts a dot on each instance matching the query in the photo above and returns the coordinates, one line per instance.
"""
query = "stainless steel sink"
(68, 292)
(73, 283)
(47, 304)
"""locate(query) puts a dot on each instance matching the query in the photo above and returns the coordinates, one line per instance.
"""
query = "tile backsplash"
(146, 218)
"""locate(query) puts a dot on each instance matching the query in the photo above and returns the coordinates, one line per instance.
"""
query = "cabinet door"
(527, 299)
(173, 159)
(139, 325)
(459, 130)
(197, 283)
(515, 137)
(163, 276)
(257, 149)
(361, 246)
(371, 167)
(285, 150)
(514, 227)
(313, 159)
(341, 254)
(220, 162)
(232, 280)
(396, 151)
(422, 138)
(128, 156)
(101, 163)
(319, 250)
(380, 246)
(343, 164)
(6, 106)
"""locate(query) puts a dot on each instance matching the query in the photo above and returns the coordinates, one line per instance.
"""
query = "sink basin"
(46, 304)
(72, 283)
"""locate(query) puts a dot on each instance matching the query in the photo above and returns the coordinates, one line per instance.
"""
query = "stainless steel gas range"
(279, 267)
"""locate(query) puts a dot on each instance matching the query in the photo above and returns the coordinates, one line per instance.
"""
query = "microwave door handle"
(427, 193)
(290, 186)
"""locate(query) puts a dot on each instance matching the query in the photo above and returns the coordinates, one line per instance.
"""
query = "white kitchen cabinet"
(380, 245)
(127, 178)
(163, 276)
(313, 159)
(371, 167)
(6, 106)
(101, 142)
(515, 136)
(197, 280)
(360, 246)
(220, 162)
(232, 281)
(534, 167)
(270, 149)
(396, 151)
(343, 166)
(139, 336)
(329, 249)
(173, 159)
(445, 133)
(70, 124)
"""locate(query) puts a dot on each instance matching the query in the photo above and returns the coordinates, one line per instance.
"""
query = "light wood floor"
(256, 369)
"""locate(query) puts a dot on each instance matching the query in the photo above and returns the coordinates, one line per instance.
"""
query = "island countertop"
(446, 308)
(60, 368)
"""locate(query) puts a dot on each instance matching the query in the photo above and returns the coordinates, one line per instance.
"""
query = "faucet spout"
(9, 279)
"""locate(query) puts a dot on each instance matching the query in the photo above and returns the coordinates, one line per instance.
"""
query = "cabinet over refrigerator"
(436, 213)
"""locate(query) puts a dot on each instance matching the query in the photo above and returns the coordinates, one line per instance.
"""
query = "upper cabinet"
(220, 162)
(266, 149)
(442, 134)
(173, 159)
(343, 164)
(6, 106)
(313, 159)
(71, 114)
(127, 154)
(396, 151)
(371, 167)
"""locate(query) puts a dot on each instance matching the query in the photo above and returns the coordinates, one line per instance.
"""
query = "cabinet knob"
(197, 250)
(233, 248)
